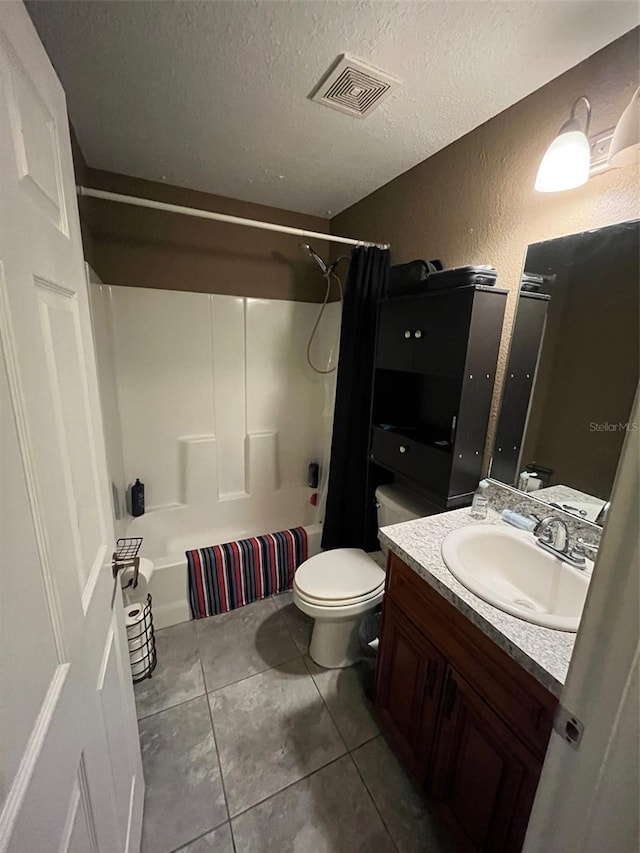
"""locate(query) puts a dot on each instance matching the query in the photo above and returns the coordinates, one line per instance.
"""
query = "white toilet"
(338, 587)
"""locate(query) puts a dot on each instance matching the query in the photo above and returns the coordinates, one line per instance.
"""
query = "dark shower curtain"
(346, 513)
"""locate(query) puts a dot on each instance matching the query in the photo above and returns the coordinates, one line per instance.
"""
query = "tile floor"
(249, 747)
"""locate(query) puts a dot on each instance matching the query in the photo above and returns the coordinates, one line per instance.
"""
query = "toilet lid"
(339, 576)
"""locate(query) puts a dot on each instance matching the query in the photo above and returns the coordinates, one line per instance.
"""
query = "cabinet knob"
(407, 334)
(403, 449)
(417, 333)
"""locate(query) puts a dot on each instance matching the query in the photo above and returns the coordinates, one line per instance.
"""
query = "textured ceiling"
(214, 95)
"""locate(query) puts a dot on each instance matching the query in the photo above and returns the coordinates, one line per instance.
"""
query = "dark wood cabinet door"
(483, 778)
(441, 325)
(396, 330)
(408, 687)
(426, 334)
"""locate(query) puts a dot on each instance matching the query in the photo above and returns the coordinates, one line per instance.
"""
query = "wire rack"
(127, 549)
(142, 641)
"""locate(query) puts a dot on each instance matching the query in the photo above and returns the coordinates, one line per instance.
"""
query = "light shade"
(625, 143)
(565, 164)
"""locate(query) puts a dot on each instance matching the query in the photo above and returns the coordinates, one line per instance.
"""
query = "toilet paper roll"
(144, 576)
(137, 637)
(133, 615)
(139, 661)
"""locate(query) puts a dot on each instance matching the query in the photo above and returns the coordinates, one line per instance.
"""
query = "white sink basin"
(508, 569)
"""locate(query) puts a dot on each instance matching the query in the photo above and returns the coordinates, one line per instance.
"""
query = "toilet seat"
(339, 578)
(324, 602)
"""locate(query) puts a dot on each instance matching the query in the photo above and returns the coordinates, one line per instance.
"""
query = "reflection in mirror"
(572, 371)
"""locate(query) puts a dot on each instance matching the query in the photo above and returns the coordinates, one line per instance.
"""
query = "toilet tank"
(397, 504)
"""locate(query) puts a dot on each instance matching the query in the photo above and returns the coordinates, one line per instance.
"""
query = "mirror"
(572, 370)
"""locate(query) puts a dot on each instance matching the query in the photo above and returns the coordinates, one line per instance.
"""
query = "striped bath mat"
(227, 576)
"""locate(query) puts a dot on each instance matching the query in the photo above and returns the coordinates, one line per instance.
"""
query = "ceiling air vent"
(354, 87)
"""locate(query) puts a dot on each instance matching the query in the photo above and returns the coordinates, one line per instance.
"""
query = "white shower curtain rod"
(222, 217)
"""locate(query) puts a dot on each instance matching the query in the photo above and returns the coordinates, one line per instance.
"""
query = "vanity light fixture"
(565, 164)
(625, 144)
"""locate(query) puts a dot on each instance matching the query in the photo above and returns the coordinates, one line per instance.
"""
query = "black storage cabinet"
(435, 367)
(526, 343)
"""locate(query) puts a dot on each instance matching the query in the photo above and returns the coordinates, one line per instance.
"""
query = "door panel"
(410, 673)
(394, 347)
(20, 650)
(69, 736)
(35, 141)
(483, 777)
(119, 733)
(78, 837)
(60, 329)
(443, 323)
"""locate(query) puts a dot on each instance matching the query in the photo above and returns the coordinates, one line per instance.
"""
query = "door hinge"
(568, 726)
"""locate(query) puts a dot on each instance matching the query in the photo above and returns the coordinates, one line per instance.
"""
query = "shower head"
(316, 257)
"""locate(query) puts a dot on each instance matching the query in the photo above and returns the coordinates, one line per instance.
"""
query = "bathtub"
(168, 533)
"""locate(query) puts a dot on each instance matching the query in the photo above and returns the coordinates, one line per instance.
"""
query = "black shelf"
(422, 436)
(436, 357)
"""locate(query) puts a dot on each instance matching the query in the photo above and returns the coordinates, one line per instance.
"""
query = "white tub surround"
(214, 397)
(104, 342)
(543, 652)
(210, 402)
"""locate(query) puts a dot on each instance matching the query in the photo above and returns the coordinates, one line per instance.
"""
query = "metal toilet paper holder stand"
(142, 645)
(126, 557)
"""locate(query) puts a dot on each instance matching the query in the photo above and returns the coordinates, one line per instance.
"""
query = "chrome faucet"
(580, 551)
(552, 534)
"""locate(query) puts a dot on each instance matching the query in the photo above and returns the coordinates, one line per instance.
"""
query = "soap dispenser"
(480, 502)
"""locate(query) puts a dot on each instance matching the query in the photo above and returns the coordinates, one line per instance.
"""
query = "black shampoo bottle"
(137, 498)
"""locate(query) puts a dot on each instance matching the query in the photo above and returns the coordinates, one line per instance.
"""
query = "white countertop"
(566, 495)
(543, 652)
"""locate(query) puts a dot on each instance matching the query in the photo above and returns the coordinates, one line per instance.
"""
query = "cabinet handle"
(407, 334)
(417, 333)
(449, 698)
(403, 449)
(432, 674)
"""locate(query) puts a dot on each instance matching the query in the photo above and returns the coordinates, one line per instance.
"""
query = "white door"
(71, 776)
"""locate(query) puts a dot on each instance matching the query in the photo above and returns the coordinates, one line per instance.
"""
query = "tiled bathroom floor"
(249, 746)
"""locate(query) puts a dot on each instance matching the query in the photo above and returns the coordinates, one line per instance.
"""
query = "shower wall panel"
(213, 397)
(103, 337)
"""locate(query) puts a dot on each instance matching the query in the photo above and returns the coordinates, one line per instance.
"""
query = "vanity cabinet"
(467, 721)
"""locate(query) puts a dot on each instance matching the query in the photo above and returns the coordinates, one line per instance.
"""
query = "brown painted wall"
(474, 202)
(145, 248)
